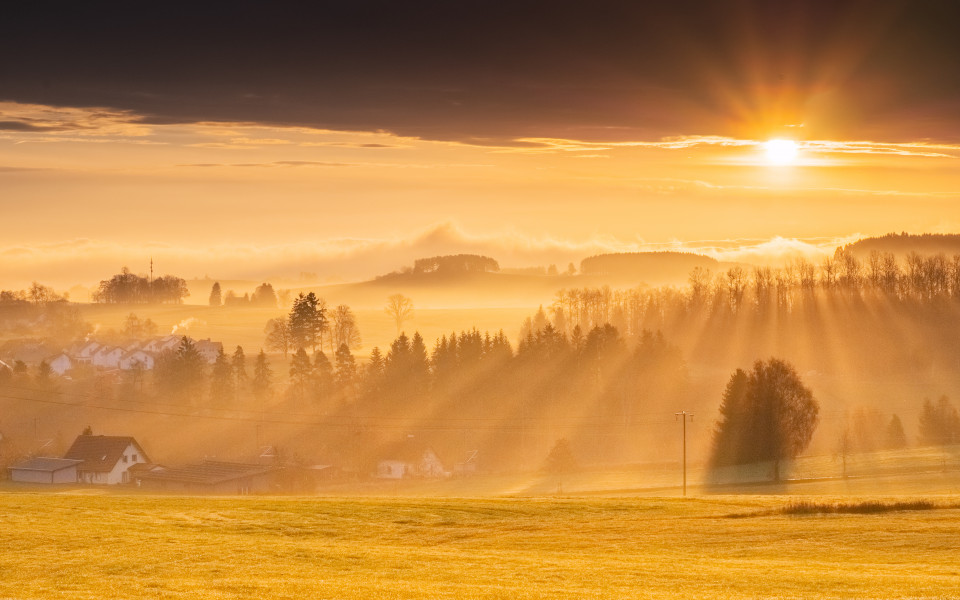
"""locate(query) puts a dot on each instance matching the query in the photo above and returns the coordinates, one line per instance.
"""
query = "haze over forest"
(530, 247)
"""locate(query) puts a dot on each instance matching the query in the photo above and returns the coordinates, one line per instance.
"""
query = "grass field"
(85, 546)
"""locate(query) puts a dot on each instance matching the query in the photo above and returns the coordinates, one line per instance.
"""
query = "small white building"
(209, 350)
(61, 363)
(108, 357)
(105, 459)
(411, 459)
(145, 359)
(167, 342)
(84, 352)
(45, 470)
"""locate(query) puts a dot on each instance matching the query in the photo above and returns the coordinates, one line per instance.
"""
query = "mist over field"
(495, 371)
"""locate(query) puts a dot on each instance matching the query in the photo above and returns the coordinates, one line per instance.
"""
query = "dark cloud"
(487, 72)
(19, 126)
(5, 169)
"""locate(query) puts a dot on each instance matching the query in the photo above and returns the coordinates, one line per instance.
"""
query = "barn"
(45, 470)
(208, 477)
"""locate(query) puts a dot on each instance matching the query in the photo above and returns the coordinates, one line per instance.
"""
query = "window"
(133, 457)
(124, 458)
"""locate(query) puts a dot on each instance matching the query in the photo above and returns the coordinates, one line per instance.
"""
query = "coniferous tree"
(216, 298)
(180, 372)
(44, 374)
(346, 372)
(896, 438)
(221, 380)
(322, 378)
(301, 371)
(238, 364)
(373, 373)
(307, 321)
(419, 365)
(262, 382)
(939, 423)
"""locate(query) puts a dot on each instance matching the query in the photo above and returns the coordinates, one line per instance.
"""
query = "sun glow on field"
(781, 152)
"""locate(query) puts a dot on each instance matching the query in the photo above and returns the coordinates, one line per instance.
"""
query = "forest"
(599, 371)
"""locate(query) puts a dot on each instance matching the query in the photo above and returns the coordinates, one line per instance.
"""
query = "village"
(121, 461)
(132, 355)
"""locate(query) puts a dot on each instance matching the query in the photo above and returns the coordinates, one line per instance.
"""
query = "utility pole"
(684, 414)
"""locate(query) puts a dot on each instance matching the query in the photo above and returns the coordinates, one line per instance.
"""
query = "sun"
(781, 152)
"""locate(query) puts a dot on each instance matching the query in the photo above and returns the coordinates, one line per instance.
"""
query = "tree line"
(129, 288)
(263, 296)
(737, 289)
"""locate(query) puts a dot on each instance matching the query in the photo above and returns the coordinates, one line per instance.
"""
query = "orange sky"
(289, 194)
(265, 149)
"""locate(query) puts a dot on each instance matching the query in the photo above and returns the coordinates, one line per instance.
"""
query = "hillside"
(489, 289)
(904, 243)
(651, 267)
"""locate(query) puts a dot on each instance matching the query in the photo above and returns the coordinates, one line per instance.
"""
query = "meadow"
(87, 545)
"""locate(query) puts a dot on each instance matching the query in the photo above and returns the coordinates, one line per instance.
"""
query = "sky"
(255, 140)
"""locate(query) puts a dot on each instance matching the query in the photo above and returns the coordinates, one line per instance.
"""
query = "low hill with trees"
(902, 244)
(646, 266)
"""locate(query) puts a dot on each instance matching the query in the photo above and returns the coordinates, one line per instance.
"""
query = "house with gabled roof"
(209, 350)
(410, 458)
(60, 363)
(105, 459)
(84, 352)
(130, 360)
(108, 357)
(167, 342)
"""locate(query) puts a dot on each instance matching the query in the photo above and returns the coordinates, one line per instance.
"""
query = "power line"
(351, 422)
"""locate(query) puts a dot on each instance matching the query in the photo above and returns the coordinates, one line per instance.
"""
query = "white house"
(129, 360)
(410, 459)
(167, 342)
(45, 470)
(108, 357)
(84, 353)
(105, 459)
(209, 350)
(61, 363)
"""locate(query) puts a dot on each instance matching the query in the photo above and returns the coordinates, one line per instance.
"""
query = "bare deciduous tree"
(400, 309)
(345, 330)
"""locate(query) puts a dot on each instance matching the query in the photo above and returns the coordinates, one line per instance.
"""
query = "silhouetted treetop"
(456, 263)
